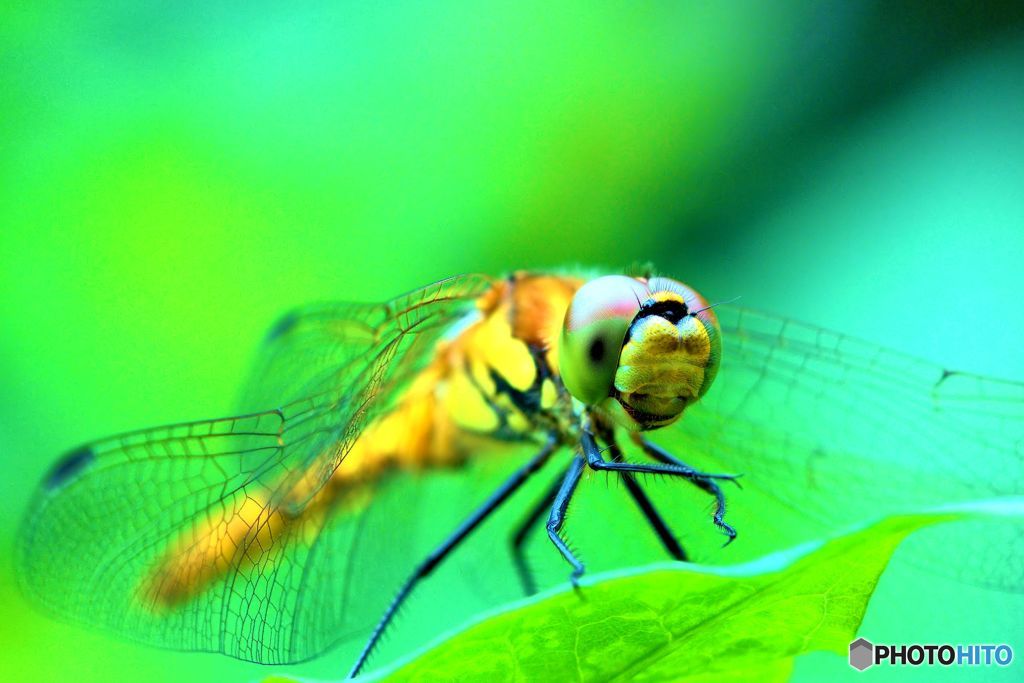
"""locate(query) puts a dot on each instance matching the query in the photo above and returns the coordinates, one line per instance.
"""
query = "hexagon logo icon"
(862, 654)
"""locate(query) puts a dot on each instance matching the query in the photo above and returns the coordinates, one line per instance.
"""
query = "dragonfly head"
(639, 351)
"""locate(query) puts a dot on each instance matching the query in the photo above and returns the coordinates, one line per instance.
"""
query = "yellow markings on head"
(668, 361)
(664, 295)
(664, 359)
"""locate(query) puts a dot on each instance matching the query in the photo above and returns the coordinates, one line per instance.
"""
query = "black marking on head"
(69, 467)
(672, 311)
(596, 350)
(282, 326)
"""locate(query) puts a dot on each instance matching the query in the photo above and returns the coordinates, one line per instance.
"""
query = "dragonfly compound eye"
(593, 332)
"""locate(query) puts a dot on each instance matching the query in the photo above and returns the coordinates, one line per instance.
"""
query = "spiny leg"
(557, 517)
(643, 501)
(709, 485)
(527, 525)
(675, 468)
(441, 552)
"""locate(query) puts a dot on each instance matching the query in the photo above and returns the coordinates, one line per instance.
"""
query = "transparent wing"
(829, 431)
(210, 535)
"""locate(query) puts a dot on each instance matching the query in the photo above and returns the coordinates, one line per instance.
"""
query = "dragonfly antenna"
(719, 303)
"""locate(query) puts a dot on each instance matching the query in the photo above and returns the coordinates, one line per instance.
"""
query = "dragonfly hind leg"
(428, 565)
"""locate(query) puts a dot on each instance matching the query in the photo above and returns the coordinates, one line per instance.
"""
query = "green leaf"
(679, 622)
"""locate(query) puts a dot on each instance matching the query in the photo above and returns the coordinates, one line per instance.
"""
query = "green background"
(174, 176)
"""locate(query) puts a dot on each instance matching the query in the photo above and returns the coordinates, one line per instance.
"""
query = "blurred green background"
(173, 176)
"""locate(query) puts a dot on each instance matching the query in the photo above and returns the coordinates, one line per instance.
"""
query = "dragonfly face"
(639, 351)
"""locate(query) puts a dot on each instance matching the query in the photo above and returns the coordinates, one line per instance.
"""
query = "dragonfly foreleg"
(669, 466)
(557, 517)
(435, 558)
(707, 484)
(527, 525)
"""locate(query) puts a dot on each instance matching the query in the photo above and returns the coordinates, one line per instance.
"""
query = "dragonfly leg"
(441, 552)
(709, 485)
(528, 524)
(643, 501)
(557, 517)
(668, 465)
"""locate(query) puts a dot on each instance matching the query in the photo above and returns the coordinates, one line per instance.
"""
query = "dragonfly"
(276, 534)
